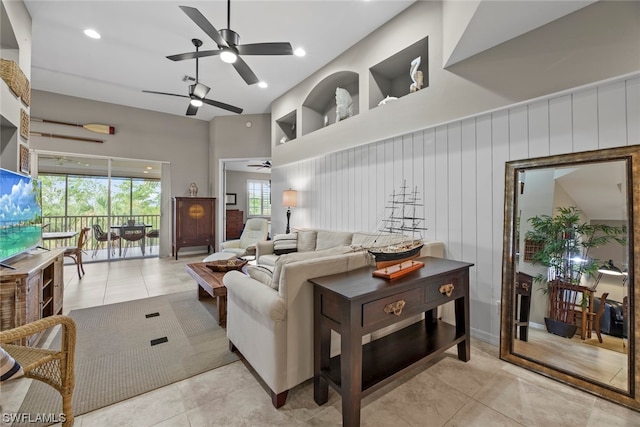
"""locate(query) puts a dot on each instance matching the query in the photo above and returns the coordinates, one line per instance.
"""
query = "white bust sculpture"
(193, 189)
(416, 75)
(344, 104)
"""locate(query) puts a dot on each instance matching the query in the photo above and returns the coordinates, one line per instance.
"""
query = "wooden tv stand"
(355, 303)
(32, 290)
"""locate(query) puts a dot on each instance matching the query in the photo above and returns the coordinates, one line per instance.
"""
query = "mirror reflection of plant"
(565, 243)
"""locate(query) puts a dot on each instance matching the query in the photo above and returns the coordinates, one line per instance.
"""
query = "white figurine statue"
(416, 75)
(193, 189)
(344, 104)
(387, 99)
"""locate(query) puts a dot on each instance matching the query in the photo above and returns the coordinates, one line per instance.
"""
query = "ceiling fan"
(265, 164)
(228, 47)
(198, 91)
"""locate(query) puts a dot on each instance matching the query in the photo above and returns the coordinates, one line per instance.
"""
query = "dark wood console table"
(355, 303)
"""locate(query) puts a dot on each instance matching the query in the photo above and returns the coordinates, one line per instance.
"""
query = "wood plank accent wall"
(459, 168)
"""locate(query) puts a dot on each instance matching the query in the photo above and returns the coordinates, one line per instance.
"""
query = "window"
(259, 198)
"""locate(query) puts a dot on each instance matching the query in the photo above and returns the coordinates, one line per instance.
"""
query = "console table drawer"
(397, 307)
(444, 290)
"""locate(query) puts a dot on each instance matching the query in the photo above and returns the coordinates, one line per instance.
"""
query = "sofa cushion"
(330, 239)
(303, 256)
(262, 274)
(371, 240)
(269, 260)
(306, 240)
(285, 243)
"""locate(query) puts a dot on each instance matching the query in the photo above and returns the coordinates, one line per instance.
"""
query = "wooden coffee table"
(210, 284)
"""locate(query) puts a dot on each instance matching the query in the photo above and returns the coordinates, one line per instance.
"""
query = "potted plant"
(564, 242)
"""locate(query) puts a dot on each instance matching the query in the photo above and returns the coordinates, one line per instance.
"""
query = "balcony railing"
(77, 223)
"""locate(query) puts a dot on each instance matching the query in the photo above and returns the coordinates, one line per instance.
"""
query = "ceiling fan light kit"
(228, 56)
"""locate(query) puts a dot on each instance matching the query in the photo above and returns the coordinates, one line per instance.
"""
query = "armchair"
(55, 368)
(255, 230)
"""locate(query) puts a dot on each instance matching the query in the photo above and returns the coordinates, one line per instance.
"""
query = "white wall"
(597, 42)
(140, 134)
(459, 166)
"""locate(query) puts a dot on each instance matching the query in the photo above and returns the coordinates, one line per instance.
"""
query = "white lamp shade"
(290, 198)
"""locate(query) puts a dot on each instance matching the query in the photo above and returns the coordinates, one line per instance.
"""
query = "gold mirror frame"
(631, 156)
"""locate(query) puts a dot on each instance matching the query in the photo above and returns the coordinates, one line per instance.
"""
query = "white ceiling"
(138, 35)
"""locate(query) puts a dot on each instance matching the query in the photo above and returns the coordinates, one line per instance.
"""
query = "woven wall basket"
(15, 79)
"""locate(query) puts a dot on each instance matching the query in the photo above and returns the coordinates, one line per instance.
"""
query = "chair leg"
(67, 410)
(80, 264)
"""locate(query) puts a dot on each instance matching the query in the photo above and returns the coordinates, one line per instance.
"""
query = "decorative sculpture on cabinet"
(193, 189)
(416, 75)
(344, 104)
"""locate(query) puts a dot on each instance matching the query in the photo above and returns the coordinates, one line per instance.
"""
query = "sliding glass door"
(105, 195)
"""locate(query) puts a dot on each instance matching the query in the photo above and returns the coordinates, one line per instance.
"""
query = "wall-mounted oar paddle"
(74, 138)
(93, 127)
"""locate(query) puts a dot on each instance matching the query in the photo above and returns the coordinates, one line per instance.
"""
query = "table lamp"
(290, 200)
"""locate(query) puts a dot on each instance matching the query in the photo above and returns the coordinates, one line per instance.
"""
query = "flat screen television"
(20, 214)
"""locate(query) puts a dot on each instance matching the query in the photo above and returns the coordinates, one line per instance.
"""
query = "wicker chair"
(53, 367)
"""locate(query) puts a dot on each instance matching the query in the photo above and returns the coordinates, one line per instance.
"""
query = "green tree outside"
(88, 196)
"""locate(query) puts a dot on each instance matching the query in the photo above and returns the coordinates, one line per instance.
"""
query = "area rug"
(130, 348)
(608, 342)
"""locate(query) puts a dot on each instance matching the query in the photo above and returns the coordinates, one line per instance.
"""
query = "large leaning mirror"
(570, 258)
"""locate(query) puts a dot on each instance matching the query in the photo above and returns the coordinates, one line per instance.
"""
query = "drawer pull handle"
(395, 307)
(446, 289)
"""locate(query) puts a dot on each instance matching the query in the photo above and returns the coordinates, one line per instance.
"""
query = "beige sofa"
(270, 322)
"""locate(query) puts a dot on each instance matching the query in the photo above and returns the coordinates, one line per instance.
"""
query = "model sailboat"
(402, 218)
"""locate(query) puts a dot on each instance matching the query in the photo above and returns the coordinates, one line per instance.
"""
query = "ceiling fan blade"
(223, 105)
(245, 72)
(265, 49)
(201, 90)
(204, 24)
(165, 93)
(191, 110)
(193, 55)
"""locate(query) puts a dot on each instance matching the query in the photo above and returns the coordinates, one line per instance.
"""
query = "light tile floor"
(482, 392)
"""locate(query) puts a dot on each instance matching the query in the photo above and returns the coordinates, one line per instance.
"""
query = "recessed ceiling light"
(263, 85)
(299, 52)
(149, 167)
(89, 32)
(145, 171)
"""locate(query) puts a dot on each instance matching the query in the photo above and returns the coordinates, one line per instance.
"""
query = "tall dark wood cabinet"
(235, 223)
(194, 223)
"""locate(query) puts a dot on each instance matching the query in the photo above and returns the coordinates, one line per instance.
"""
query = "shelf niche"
(391, 77)
(321, 101)
(286, 130)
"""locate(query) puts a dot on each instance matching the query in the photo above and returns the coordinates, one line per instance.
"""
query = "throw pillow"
(9, 368)
(285, 243)
(262, 274)
(306, 240)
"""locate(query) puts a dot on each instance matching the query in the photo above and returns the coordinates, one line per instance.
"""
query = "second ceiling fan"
(197, 93)
(229, 48)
